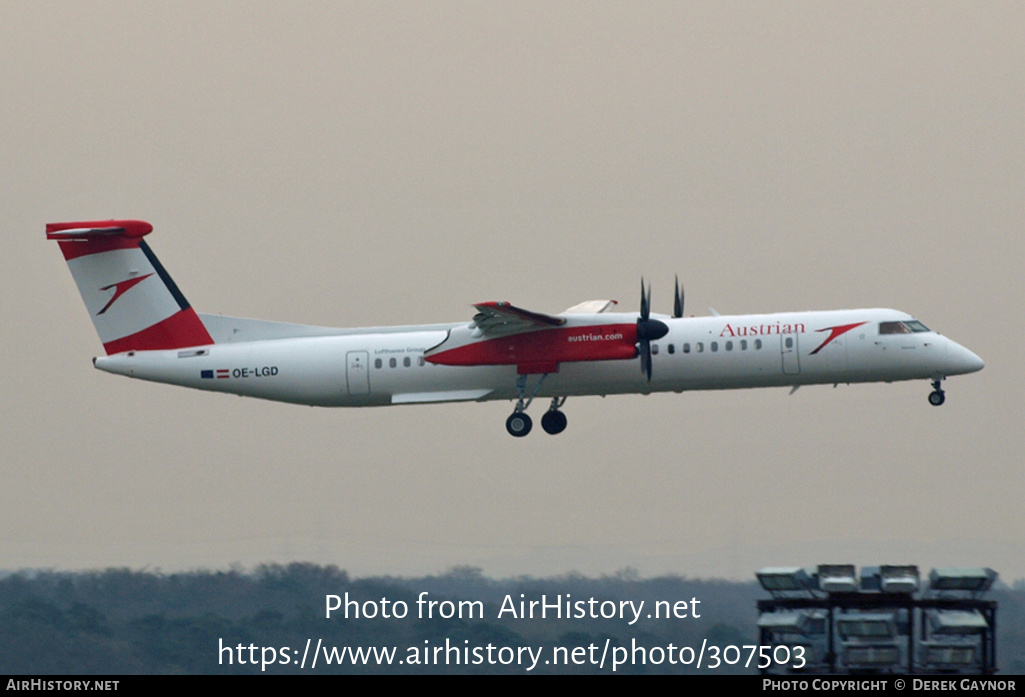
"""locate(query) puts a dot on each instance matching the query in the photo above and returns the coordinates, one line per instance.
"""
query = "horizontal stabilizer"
(97, 229)
(226, 329)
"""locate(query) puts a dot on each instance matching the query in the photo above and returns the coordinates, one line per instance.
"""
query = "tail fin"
(133, 302)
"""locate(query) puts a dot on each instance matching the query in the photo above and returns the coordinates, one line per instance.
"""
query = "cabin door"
(357, 372)
(791, 358)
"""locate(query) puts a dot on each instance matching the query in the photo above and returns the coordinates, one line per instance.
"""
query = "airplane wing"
(494, 319)
(503, 334)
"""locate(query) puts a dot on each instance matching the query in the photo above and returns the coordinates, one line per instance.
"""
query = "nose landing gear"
(937, 396)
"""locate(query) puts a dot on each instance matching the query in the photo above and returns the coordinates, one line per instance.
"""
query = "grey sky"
(388, 163)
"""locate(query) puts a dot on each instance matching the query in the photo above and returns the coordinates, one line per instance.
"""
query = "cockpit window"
(893, 328)
(909, 327)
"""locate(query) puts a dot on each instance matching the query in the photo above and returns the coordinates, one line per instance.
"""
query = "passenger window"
(686, 347)
(743, 344)
(729, 345)
(790, 342)
(377, 362)
(654, 349)
(420, 360)
(758, 344)
(715, 346)
(671, 348)
(392, 363)
(701, 347)
(405, 361)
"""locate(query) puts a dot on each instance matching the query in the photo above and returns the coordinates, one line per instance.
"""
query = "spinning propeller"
(648, 330)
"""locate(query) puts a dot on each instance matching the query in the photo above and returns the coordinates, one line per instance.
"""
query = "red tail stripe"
(134, 230)
(180, 330)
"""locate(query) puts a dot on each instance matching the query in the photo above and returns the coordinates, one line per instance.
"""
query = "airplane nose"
(960, 360)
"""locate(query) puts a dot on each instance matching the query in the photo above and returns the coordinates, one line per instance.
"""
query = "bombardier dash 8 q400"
(150, 331)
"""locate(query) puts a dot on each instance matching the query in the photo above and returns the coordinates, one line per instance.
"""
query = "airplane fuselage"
(388, 365)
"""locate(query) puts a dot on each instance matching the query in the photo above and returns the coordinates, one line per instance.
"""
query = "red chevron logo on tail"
(120, 288)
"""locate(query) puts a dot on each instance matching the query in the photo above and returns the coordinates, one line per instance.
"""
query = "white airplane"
(150, 332)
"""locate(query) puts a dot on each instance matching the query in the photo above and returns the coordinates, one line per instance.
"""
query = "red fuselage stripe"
(547, 346)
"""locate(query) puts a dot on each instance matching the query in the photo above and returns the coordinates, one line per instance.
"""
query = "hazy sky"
(365, 163)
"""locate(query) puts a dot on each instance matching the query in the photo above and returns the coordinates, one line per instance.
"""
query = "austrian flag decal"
(220, 373)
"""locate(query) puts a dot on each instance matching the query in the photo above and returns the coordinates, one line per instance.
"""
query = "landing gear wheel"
(518, 424)
(937, 397)
(553, 422)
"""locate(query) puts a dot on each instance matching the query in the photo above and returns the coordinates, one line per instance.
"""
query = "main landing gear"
(937, 396)
(519, 424)
(554, 421)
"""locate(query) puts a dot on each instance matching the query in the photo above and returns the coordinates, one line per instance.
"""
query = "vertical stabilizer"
(133, 303)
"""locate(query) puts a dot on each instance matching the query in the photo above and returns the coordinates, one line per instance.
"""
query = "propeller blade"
(645, 351)
(645, 306)
(678, 300)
